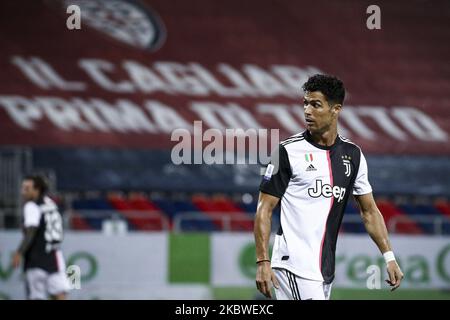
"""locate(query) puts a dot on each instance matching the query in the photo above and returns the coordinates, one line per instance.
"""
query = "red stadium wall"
(229, 64)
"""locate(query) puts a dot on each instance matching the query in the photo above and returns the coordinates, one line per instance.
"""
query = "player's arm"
(375, 226)
(32, 216)
(26, 243)
(263, 221)
(272, 188)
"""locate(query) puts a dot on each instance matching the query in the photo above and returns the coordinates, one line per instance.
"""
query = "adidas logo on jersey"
(327, 191)
(311, 168)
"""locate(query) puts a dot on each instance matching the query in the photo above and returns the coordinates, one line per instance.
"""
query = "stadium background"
(93, 110)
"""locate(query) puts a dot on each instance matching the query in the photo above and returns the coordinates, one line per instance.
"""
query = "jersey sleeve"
(362, 185)
(278, 174)
(31, 215)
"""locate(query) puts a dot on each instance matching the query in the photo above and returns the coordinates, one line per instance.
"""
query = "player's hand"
(265, 278)
(16, 260)
(395, 275)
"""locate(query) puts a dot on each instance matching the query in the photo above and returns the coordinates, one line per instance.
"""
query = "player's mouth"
(309, 122)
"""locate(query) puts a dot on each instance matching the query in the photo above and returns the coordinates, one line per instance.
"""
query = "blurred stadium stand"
(197, 201)
(220, 212)
(406, 62)
(176, 206)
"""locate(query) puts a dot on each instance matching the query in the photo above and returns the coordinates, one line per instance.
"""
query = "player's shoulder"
(49, 202)
(30, 207)
(350, 145)
(294, 139)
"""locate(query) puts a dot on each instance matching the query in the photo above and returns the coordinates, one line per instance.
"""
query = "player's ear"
(336, 108)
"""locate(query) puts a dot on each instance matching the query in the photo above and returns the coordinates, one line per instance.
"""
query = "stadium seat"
(389, 211)
(91, 204)
(443, 206)
(187, 211)
(78, 223)
(250, 208)
(354, 223)
(220, 206)
(241, 220)
(422, 211)
(167, 206)
(155, 217)
(140, 212)
(86, 208)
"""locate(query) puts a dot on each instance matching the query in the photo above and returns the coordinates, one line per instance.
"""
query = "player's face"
(29, 192)
(319, 114)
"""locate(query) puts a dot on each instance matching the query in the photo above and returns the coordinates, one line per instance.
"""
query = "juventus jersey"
(44, 251)
(313, 183)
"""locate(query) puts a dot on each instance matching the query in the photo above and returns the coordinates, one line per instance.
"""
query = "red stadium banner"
(137, 70)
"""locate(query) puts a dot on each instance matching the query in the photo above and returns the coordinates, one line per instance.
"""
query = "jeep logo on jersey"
(327, 191)
(130, 22)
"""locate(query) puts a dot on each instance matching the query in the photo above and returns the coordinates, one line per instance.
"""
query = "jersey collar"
(309, 138)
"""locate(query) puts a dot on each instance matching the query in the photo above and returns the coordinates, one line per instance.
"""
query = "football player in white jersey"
(311, 176)
(43, 262)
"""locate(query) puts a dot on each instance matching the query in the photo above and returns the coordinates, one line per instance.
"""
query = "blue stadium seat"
(83, 205)
(414, 210)
(352, 226)
(432, 210)
(199, 225)
(92, 204)
(351, 208)
(206, 225)
(167, 206)
(427, 209)
(184, 206)
(249, 207)
(179, 207)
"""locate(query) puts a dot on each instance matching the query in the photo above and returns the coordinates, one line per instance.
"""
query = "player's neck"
(326, 138)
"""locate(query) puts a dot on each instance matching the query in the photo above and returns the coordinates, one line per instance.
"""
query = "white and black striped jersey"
(44, 251)
(314, 183)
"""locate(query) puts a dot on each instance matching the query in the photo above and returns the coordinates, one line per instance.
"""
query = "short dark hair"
(39, 183)
(330, 86)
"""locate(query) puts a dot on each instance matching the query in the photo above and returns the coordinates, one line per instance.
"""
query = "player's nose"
(307, 108)
(307, 112)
